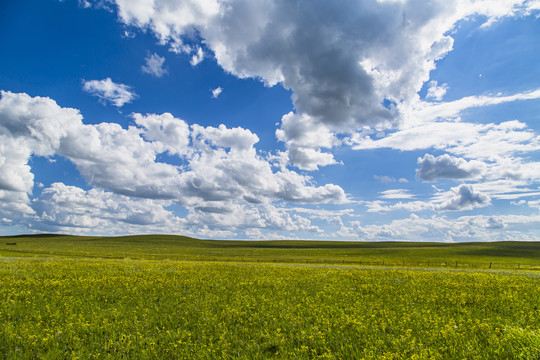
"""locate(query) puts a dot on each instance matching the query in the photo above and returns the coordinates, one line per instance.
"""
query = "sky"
(363, 120)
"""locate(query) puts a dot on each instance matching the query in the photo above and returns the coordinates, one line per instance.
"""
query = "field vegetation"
(154, 247)
(138, 298)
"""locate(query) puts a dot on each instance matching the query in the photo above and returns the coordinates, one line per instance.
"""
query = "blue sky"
(236, 119)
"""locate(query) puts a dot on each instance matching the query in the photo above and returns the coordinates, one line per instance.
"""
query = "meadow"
(70, 297)
(503, 255)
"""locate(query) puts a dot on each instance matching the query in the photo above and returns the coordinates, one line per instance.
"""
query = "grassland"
(135, 297)
(499, 254)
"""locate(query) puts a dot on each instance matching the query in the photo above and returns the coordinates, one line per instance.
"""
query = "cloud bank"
(224, 177)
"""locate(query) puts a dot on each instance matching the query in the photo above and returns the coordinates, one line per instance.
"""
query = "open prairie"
(137, 297)
(506, 255)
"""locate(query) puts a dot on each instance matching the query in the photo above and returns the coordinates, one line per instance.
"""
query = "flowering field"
(58, 308)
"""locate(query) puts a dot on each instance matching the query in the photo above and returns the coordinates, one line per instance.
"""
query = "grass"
(498, 254)
(135, 297)
(147, 309)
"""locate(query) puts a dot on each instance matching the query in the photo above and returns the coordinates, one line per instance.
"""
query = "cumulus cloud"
(154, 65)
(435, 91)
(448, 167)
(109, 92)
(75, 210)
(348, 65)
(495, 223)
(29, 126)
(15, 174)
(167, 133)
(69, 207)
(305, 139)
(463, 197)
(306, 158)
(222, 173)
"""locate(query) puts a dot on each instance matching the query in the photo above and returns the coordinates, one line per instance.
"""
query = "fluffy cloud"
(435, 91)
(110, 92)
(223, 176)
(167, 133)
(306, 158)
(495, 223)
(362, 64)
(463, 197)
(15, 174)
(348, 65)
(154, 65)
(63, 207)
(305, 138)
(75, 210)
(29, 126)
(448, 167)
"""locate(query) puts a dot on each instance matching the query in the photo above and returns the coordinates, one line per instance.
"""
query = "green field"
(154, 247)
(164, 297)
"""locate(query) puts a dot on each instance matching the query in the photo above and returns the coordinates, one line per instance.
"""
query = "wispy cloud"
(216, 92)
(197, 57)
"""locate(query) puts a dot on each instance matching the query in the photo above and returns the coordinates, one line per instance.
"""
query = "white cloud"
(75, 210)
(385, 179)
(197, 57)
(29, 126)
(463, 197)
(379, 206)
(222, 175)
(110, 92)
(437, 228)
(154, 65)
(495, 223)
(448, 167)
(435, 91)
(396, 194)
(238, 139)
(305, 138)
(165, 131)
(310, 159)
(419, 112)
(360, 66)
(216, 92)
(477, 141)
(15, 174)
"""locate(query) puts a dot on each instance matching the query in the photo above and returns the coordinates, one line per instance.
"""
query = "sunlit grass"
(83, 308)
(499, 254)
(136, 297)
